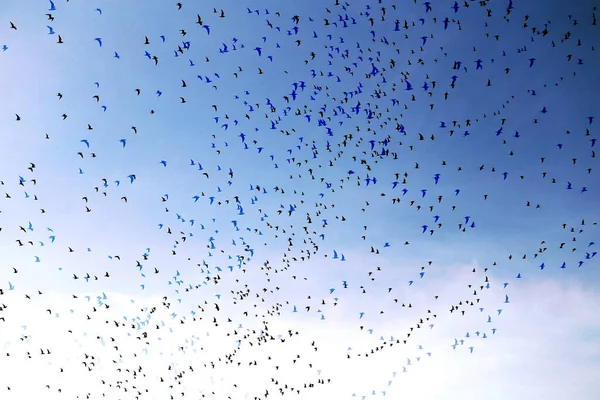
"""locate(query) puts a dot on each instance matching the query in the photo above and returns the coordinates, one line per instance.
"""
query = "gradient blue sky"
(543, 343)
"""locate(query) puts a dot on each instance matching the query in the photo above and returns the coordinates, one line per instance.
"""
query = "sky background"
(221, 172)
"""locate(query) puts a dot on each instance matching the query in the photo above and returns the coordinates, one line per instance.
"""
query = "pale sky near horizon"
(297, 168)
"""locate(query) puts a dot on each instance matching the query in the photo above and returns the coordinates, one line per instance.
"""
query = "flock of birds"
(326, 142)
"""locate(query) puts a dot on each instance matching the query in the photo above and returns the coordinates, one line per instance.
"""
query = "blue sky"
(221, 153)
